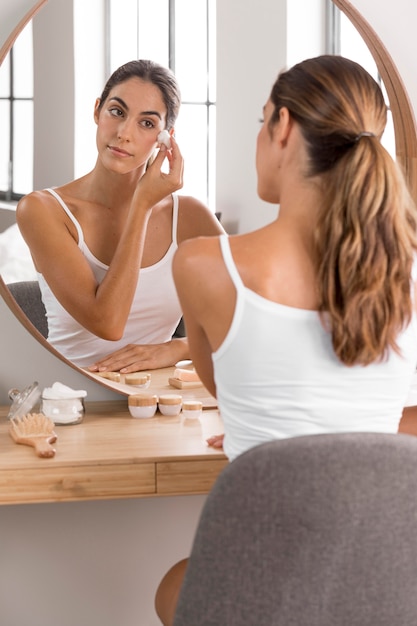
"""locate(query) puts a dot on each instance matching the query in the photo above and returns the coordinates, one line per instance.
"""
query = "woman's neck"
(109, 188)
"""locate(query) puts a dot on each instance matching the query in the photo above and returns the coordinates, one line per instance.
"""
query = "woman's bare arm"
(207, 298)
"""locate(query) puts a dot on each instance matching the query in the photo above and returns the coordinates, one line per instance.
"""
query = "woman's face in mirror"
(128, 124)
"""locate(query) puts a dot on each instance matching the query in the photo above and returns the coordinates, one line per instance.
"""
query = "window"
(130, 30)
(16, 119)
(179, 34)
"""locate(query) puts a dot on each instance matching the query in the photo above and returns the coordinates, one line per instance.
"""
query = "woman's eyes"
(148, 123)
(116, 112)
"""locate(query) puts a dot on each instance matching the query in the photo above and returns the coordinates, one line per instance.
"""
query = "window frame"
(9, 194)
(209, 193)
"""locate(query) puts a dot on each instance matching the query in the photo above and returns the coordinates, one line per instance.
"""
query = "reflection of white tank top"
(153, 318)
(277, 375)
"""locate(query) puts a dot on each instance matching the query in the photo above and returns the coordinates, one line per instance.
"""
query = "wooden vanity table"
(113, 455)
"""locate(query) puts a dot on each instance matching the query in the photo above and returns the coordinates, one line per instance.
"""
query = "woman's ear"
(97, 110)
(284, 125)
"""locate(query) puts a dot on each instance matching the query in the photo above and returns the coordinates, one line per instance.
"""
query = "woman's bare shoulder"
(196, 219)
(196, 254)
(44, 197)
(39, 208)
(33, 203)
(34, 197)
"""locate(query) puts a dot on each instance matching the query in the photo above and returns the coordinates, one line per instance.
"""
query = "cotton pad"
(164, 138)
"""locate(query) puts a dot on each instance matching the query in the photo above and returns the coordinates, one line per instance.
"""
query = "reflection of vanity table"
(112, 455)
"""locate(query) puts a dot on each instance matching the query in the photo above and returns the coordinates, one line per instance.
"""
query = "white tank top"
(277, 376)
(153, 318)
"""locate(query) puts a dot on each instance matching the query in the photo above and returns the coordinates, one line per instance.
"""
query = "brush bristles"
(32, 424)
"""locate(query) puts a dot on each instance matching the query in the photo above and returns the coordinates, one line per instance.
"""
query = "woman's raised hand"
(156, 184)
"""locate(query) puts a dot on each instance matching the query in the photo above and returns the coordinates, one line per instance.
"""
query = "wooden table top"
(113, 455)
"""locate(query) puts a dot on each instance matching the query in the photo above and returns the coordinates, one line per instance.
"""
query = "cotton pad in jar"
(62, 404)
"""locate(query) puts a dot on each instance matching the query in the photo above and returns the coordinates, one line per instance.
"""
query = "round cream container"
(192, 409)
(142, 405)
(170, 404)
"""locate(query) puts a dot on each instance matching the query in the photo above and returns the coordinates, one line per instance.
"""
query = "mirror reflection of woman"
(103, 244)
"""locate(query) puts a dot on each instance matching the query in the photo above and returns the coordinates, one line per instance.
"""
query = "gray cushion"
(28, 296)
(309, 531)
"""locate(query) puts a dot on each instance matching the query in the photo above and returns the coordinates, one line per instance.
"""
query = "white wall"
(97, 563)
(90, 563)
(248, 61)
(250, 53)
(53, 119)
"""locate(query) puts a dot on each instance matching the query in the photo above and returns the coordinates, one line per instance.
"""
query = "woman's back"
(277, 375)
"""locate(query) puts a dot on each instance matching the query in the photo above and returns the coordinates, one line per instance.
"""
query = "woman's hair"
(151, 72)
(366, 236)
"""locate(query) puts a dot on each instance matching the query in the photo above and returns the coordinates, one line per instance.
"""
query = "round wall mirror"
(402, 115)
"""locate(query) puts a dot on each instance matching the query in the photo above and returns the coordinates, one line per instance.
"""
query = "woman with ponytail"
(308, 325)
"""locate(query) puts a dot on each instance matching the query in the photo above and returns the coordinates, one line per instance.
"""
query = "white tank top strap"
(175, 204)
(229, 262)
(70, 215)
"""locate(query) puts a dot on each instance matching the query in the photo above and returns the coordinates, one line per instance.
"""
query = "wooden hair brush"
(36, 430)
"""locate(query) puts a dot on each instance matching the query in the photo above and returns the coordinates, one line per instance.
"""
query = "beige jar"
(142, 405)
(170, 404)
(192, 409)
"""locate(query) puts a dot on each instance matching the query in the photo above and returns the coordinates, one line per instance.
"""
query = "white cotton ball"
(164, 138)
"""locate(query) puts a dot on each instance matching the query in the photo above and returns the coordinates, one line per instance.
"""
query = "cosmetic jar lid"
(192, 405)
(142, 399)
(23, 401)
(170, 399)
(137, 379)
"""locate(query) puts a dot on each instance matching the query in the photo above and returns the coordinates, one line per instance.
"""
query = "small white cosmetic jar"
(192, 409)
(170, 404)
(142, 405)
(140, 380)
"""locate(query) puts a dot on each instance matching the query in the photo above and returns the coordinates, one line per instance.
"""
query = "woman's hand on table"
(135, 357)
(216, 441)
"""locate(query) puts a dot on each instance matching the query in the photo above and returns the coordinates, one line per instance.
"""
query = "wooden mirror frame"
(405, 128)
(405, 131)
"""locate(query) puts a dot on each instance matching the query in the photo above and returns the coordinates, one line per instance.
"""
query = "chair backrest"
(28, 296)
(310, 531)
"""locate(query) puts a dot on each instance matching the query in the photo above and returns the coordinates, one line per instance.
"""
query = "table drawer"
(91, 482)
(187, 477)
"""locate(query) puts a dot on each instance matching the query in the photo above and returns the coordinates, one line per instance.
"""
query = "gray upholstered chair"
(309, 531)
(28, 296)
